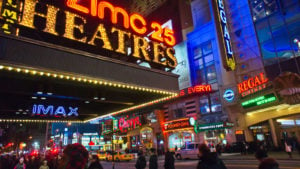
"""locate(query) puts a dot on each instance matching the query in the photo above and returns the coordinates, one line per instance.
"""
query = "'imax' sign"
(50, 110)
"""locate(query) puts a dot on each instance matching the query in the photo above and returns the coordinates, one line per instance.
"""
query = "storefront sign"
(259, 101)
(196, 89)
(228, 95)
(50, 110)
(177, 124)
(229, 58)
(213, 126)
(253, 85)
(99, 26)
(239, 132)
(128, 124)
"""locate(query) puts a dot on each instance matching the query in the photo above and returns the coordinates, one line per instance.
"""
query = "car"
(189, 151)
(120, 156)
(102, 155)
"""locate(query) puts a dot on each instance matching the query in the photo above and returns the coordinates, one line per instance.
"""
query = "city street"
(192, 164)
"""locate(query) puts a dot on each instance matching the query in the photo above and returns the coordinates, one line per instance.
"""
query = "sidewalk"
(275, 155)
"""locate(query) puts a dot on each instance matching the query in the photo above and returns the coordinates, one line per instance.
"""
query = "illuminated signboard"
(9, 16)
(50, 110)
(195, 90)
(177, 124)
(253, 85)
(259, 101)
(213, 126)
(228, 95)
(128, 124)
(229, 61)
(94, 26)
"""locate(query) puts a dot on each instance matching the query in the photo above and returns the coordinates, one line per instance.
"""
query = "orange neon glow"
(158, 31)
(94, 4)
(169, 37)
(137, 17)
(176, 120)
(114, 13)
(73, 4)
(196, 89)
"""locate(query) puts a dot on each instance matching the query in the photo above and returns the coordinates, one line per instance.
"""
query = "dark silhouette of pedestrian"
(21, 164)
(209, 160)
(75, 156)
(261, 154)
(169, 160)
(153, 160)
(268, 163)
(95, 163)
(141, 161)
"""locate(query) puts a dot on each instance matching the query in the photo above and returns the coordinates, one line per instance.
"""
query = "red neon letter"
(139, 18)
(73, 4)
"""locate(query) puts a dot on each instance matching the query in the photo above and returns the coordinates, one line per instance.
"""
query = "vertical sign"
(9, 16)
(221, 24)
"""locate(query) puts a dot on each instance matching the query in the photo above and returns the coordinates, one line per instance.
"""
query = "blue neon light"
(39, 109)
(228, 95)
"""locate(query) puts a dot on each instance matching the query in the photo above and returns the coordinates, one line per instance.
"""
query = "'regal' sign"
(253, 84)
(99, 25)
(229, 61)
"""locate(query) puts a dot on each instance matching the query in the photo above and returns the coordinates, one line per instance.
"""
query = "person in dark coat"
(209, 160)
(169, 160)
(268, 163)
(95, 163)
(261, 154)
(153, 160)
(141, 161)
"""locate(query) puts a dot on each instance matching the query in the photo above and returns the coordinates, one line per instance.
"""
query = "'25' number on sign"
(163, 35)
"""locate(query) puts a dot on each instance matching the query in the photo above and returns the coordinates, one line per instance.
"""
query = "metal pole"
(113, 153)
(46, 138)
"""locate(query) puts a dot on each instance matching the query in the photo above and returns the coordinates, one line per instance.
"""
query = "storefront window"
(278, 33)
(180, 139)
(215, 102)
(147, 137)
(204, 105)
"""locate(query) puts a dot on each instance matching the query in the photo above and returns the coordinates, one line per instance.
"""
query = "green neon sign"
(259, 101)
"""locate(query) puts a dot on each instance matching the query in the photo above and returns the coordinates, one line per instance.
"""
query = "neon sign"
(259, 101)
(177, 124)
(50, 110)
(228, 95)
(229, 58)
(96, 35)
(213, 126)
(127, 124)
(196, 89)
(253, 85)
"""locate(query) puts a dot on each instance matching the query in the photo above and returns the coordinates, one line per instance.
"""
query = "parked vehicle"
(189, 151)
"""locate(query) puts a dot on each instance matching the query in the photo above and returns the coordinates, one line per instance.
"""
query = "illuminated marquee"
(196, 89)
(229, 58)
(177, 124)
(253, 85)
(90, 28)
(50, 110)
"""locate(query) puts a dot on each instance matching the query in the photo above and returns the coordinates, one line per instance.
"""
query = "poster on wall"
(183, 68)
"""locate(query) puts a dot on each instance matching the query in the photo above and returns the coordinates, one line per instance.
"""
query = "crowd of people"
(75, 156)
